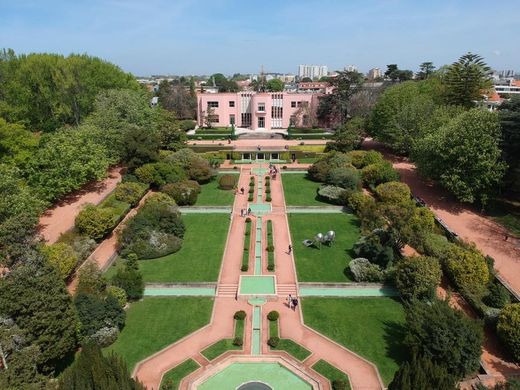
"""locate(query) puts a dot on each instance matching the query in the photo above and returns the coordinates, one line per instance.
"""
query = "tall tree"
(275, 85)
(466, 79)
(509, 115)
(426, 69)
(35, 298)
(177, 98)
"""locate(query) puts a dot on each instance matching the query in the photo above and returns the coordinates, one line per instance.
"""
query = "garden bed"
(224, 345)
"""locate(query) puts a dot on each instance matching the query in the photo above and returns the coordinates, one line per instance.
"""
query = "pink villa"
(256, 110)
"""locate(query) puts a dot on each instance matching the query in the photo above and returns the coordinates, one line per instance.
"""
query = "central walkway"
(362, 374)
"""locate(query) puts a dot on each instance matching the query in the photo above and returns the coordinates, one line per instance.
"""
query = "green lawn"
(300, 191)
(154, 323)
(330, 372)
(287, 345)
(371, 327)
(330, 263)
(211, 195)
(221, 346)
(200, 256)
(177, 373)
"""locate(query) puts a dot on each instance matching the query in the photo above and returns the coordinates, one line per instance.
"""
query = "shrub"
(160, 173)
(238, 341)
(96, 312)
(131, 281)
(393, 192)
(364, 271)
(508, 328)
(356, 158)
(270, 248)
(273, 315)
(248, 219)
(104, 336)
(186, 125)
(81, 244)
(62, 257)
(267, 190)
(418, 276)
(498, 296)
(130, 192)
(159, 198)
(273, 341)
(250, 197)
(377, 247)
(467, 268)
(268, 198)
(379, 173)
(227, 182)
(347, 178)
(340, 384)
(118, 293)
(240, 315)
(321, 168)
(434, 245)
(200, 170)
(270, 267)
(331, 194)
(129, 178)
(184, 192)
(244, 267)
(95, 222)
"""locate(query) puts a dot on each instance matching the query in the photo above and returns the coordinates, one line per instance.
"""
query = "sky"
(148, 37)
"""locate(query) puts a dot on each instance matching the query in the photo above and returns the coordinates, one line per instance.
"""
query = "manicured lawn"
(177, 373)
(211, 195)
(300, 191)
(154, 323)
(371, 327)
(287, 345)
(200, 256)
(221, 346)
(330, 372)
(330, 263)
(308, 160)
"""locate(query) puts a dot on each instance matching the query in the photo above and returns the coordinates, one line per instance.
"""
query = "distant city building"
(312, 71)
(351, 68)
(374, 73)
(315, 87)
(504, 88)
(256, 110)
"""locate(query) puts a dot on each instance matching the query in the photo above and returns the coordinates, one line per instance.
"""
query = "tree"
(223, 84)
(334, 108)
(349, 136)
(400, 114)
(417, 277)
(377, 173)
(377, 247)
(395, 74)
(319, 171)
(275, 85)
(347, 178)
(420, 373)
(91, 280)
(184, 193)
(509, 116)
(448, 156)
(141, 146)
(172, 133)
(35, 298)
(447, 336)
(306, 80)
(508, 328)
(393, 192)
(93, 371)
(62, 257)
(177, 98)
(426, 69)
(17, 145)
(130, 280)
(465, 80)
(130, 193)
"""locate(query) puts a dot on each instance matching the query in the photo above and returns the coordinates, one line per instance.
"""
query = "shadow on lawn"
(394, 336)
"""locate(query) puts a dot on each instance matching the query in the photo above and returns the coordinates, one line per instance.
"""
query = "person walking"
(289, 301)
(249, 211)
(294, 303)
(242, 190)
(290, 249)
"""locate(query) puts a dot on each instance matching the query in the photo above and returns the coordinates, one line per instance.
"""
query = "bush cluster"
(273, 315)
(130, 192)
(184, 192)
(363, 270)
(227, 182)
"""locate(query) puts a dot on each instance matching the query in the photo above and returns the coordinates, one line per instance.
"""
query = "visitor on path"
(289, 250)
(506, 237)
(289, 301)
(249, 211)
(231, 216)
(242, 190)
(294, 303)
(241, 212)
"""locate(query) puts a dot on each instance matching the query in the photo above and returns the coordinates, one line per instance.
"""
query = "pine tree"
(422, 374)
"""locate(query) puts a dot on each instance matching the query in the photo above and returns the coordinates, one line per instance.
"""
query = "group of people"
(245, 212)
(273, 170)
(292, 302)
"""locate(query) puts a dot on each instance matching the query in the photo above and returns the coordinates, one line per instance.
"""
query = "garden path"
(60, 218)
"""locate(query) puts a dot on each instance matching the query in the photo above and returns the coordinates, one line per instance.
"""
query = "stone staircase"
(227, 290)
(284, 290)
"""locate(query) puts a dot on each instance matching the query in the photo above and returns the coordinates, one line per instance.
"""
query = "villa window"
(231, 103)
(212, 104)
(261, 107)
(261, 122)
(232, 119)
(293, 104)
(246, 119)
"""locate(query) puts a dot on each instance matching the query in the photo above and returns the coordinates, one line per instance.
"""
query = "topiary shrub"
(95, 222)
(62, 257)
(273, 315)
(267, 190)
(251, 190)
(331, 194)
(240, 315)
(321, 168)
(268, 198)
(270, 267)
(248, 220)
(227, 182)
(238, 341)
(393, 192)
(356, 158)
(508, 328)
(418, 276)
(130, 192)
(270, 248)
(118, 293)
(186, 125)
(244, 267)
(467, 268)
(363, 270)
(250, 198)
(184, 192)
(160, 173)
(379, 173)
(273, 341)
(347, 178)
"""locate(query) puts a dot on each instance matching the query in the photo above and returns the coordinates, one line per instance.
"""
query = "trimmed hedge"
(270, 253)
(247, 242)
(227, 182)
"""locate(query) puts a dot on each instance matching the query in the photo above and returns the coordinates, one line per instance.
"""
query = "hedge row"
(270, 246)
(247, 244)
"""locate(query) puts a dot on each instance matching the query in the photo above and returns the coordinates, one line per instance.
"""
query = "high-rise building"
(374, 73)
(312, 71)
(351, 68)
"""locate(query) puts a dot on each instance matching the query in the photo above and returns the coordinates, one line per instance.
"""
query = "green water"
(272, 374)
(256, 339)
(180, 291)
(257, 285)
(205, 210)
(347, 292)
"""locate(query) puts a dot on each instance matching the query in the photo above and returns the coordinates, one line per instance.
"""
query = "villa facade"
(257, 110)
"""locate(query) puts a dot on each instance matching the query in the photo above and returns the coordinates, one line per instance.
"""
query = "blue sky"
(202, 37)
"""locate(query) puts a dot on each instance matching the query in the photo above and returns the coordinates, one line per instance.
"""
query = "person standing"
(289, 301)
(242, 190)
(294, 303)
(290, 249)
(249, 211)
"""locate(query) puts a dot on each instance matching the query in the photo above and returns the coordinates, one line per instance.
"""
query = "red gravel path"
(60, 218)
